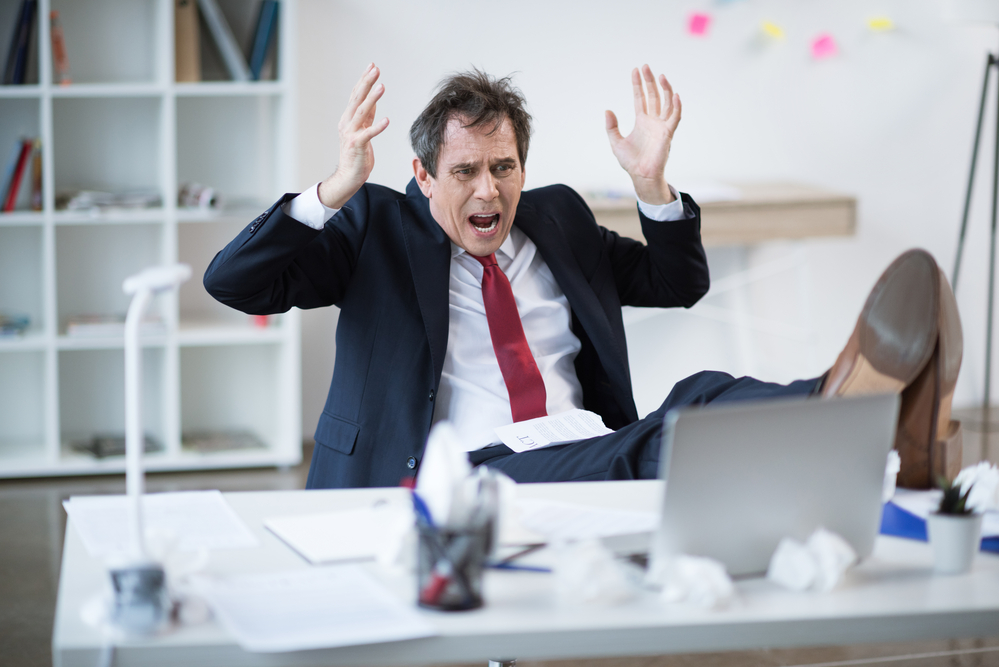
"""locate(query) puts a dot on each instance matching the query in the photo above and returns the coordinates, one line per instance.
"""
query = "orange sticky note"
(698, 24)
(824, 46)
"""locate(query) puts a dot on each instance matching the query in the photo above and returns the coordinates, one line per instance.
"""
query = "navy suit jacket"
(385, 262)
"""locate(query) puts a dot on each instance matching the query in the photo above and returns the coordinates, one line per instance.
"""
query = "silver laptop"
(741, 476)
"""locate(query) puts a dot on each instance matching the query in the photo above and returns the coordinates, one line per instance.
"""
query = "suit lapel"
(429, 253)
(554, 248)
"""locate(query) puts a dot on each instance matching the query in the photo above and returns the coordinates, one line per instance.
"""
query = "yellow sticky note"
(772, 30)
(880, 23)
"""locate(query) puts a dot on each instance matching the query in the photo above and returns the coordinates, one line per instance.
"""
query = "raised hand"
(644, 152)
(357, 128)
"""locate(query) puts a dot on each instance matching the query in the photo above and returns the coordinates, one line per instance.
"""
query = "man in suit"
(469, 300)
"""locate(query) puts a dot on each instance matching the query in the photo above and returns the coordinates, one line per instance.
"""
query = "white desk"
(890, 597)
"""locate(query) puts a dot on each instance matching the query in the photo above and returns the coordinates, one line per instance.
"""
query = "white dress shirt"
(472, 393)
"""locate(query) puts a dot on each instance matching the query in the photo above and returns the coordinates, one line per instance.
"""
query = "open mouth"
(484, 223)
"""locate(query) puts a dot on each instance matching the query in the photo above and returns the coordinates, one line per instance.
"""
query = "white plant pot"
(955, 539)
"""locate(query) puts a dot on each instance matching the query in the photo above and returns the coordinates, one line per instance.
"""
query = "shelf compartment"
(232, 389)
(9, 13)
(110, 40)
(93, 261)
(197, 245)
(109, 145)
(92, 396)
(22, 407)
(245, 172)
(21, 280)
(20, 120)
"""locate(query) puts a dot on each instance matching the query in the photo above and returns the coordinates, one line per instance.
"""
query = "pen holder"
(450, 564)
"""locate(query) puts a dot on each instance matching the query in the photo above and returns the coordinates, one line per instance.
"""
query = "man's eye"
(463, 172)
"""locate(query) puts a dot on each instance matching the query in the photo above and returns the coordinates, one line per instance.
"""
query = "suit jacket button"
(431, 394)
(411, 462)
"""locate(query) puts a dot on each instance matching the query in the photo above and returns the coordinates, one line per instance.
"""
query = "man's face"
(479, 178)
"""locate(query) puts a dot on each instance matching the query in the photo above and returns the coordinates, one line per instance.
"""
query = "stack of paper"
(318, 607)
(197, 519)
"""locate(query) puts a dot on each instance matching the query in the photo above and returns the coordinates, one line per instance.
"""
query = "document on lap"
(560, 429)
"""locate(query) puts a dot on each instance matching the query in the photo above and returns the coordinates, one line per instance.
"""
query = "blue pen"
(521, 568)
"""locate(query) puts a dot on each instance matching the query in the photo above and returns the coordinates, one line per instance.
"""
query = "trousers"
(633, 451)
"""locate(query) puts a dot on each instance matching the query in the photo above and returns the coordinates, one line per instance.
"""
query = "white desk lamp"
(141, 604)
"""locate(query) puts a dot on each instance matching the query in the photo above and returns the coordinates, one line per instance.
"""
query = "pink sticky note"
(824, 46)
(698, 24)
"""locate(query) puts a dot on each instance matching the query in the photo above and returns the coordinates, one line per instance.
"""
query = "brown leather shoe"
(928, 441)
(896, 332)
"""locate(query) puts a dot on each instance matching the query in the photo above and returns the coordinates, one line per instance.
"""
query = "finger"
(636, 87)
(374, 130)
(365, 113)
(674, 117)
(610, 123)
(360, 91)
(668, 94)
(653, 91)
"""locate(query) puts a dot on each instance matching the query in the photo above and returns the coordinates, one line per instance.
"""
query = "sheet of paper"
(322, 538)
(198, 520)
(316, 607)
(570, 521)
(559, 429)
(921, 503)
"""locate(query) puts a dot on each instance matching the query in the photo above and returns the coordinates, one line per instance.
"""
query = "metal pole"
(989, 62)
(992, 276)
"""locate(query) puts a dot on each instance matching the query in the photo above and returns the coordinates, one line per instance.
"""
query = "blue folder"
(899, 523)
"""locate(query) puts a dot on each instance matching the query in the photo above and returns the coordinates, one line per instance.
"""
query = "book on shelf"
(36, 176)
(16, 67)
(263, 36)
(104, 445)
(207, 442)
(97, 201)
(12, 326)
(16, 169)
(103, 325)
(60, 58)
(186, 41)
(232, 55)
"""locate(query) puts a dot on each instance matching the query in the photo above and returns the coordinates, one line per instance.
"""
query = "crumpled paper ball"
(984, 481)
(892, 467)
(586, 572)
(819, 564)
(702, 582)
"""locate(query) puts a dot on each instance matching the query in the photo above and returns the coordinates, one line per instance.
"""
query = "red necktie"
(520, 372)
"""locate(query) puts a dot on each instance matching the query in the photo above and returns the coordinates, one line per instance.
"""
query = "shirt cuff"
(308, 210)
(662, 212)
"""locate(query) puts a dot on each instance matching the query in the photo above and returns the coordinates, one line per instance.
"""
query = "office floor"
(32, 524)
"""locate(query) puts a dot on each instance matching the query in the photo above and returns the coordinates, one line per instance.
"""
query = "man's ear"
(423, 178)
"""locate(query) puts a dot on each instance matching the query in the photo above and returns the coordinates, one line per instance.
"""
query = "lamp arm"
(134, 442)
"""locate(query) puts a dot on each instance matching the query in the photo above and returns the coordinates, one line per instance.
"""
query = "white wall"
(890, 120)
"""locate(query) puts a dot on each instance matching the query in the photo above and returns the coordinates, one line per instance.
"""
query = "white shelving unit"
(125, 124)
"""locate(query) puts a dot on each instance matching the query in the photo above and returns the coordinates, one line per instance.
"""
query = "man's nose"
(485, 187)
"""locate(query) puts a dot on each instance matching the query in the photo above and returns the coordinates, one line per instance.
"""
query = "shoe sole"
(897, 328)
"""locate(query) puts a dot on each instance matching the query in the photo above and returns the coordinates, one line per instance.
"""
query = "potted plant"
(954, 529)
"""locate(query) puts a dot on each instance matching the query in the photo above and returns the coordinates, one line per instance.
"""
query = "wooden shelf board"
(765, 212)
(228, 88)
